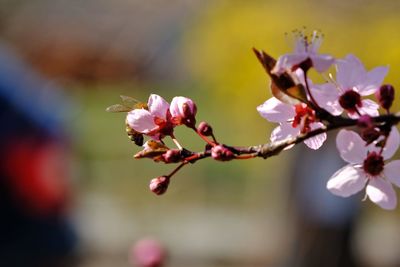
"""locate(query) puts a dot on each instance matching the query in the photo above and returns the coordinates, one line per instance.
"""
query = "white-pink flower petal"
(392, 143)
(322, 62)
(381, 192)
(318, 140)
(351, 147)
(286, 62)
(350, 71)
(392, 172)
(141, 120)
(276, 111)
(347, 181)
(158, 106)
(372, 80)
(327, 96)
(284, 131)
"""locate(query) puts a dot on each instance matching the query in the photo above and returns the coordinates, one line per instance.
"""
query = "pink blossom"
(154, 121)
(305, 49)
(183, 111)
(367, 168)
(148, 252)
(353, 82)
(293, 120)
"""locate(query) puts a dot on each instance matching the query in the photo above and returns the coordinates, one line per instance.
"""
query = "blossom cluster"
(304, 111)
(345, 94)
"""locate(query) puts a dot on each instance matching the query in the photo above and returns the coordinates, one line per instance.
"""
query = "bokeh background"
(244, 213)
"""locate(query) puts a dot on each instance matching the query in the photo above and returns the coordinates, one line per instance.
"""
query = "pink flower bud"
(159, 185)
(205, 128)
(183, 111)
(221, 153)
(385, 96)
(172, 156)
(364, 121)
(148, 253)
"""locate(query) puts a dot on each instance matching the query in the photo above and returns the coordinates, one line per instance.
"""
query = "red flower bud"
(385, 96)
(148, 253)
(364, 121)
(159, 185)
(221, 153)
(205, 128)
(370, 134)
(172, 156)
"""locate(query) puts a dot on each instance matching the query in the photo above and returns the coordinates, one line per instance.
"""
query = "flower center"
(350, 100)
(303, 118)
(373, 164)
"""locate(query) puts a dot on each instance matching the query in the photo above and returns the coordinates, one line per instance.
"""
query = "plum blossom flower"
(183, 111)
(293, 120)
(305, 52)
(352, 82)
(154, 121)
(367, 168)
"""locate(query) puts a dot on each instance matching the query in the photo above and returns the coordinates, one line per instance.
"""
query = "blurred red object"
(148, 252)
(38, 175)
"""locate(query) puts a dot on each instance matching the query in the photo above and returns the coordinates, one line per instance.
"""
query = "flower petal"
(286, 62)
(284, 131)
(381, 192)
(327, 96)
(350, 71)
(347, 181)
(141, 120)
(372, 81)
(318, 140)
(351, 147)
(322, 62)
(276, 111)
(177, 106)
(369, 107)
(158, 106)
(392, 172)
(392, 143)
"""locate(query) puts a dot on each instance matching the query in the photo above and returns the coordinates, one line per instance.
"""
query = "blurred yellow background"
(214, 214)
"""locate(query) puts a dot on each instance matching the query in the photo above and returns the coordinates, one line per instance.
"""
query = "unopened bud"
(205, 128)
(221, 153)
(370, 134)
(159, 185)
(172, 156)
(364, 121)
(183, 111)
(385, 96)
(148, 252)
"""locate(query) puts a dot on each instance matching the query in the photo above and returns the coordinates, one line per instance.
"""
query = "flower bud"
(364, 121)
(370, 134)
(172, 156)
(205, 128)
(221, 153)
(159, 185)
(385, 96)
(148, 252)
(183, 111)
